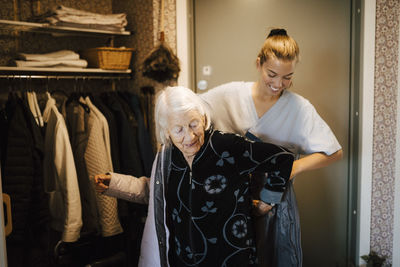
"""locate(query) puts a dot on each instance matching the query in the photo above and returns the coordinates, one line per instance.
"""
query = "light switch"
(207, 70)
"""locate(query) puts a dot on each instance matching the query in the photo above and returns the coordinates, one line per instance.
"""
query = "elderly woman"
(199, 208)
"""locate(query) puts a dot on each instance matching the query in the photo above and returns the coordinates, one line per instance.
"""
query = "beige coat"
(60, 178)
(98, 160)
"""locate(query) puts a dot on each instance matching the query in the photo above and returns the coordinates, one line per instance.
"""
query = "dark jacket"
(99, 103)
(131, 214)
(143, 136)
(128, 148)
(22, 158)
(208, 206)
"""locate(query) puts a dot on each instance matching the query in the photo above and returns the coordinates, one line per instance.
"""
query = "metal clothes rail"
(63, 73)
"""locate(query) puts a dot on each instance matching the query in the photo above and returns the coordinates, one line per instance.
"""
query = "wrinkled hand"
(261, 208)
(102, 181)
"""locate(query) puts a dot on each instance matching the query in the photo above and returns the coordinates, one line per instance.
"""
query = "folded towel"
(66, 14)
(63, 10)
(112, 28)
(81, 63)
(58, 55)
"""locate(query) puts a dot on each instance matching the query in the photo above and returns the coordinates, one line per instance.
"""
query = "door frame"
(367, 82)
(361, 159)
(185, 42)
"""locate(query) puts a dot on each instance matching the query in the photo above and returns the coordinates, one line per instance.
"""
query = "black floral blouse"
(208, 206)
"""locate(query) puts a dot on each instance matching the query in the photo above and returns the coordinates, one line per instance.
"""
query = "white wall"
(183, 42)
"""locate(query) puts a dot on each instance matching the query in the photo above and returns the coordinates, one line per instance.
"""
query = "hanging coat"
(61, 181)
(98, 160)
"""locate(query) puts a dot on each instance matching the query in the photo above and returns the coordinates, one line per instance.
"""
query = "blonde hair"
(177, 99)
(280, 46)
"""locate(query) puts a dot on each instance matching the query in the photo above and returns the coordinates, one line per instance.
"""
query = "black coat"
(22, 172)
(208, 205)
(130, 162)
(112, 126)
(143, 136)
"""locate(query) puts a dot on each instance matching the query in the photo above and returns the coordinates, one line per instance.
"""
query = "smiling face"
(186, 131)
(275, 75)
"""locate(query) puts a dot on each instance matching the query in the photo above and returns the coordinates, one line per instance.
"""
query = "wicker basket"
(108, 58)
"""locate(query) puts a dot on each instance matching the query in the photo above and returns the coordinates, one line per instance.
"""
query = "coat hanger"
(47, 84)
(10, 83)
(18, 92)
(82, 88)
(29, 84)
(56, 90)
(75, 96)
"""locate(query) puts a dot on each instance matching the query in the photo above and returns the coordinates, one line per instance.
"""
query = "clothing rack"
(63, 73)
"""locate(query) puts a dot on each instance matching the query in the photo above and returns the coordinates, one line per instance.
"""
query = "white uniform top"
(292, 121)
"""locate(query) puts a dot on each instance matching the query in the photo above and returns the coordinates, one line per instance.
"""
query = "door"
(228, 37)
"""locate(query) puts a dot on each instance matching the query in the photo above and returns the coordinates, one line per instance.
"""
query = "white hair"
(177, 99)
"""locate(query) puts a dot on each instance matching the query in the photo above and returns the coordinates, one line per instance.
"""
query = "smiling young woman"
(275, 77)
(267, 110)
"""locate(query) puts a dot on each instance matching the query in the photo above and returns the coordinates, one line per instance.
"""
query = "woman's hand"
(314, 161)
(261, 208)
(102, 182)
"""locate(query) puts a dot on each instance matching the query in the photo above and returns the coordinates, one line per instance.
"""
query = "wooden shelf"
(63, 73)
(55, 30)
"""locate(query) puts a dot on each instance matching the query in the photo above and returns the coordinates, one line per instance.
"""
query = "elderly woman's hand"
(261, 208)
(102, 181)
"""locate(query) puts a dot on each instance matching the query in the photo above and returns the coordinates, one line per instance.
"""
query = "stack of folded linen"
(66, 16)
(61, 58)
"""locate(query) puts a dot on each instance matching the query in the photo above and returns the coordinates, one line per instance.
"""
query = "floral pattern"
(208, 205)
(215, 184)
(239, 229)
(384, 134)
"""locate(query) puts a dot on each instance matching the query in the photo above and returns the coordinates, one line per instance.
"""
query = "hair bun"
(275, 32)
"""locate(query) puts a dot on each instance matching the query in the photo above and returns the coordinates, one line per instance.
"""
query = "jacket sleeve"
(268, 190)
(271, 166)
(129, 188)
